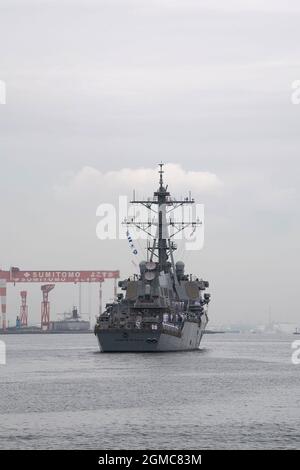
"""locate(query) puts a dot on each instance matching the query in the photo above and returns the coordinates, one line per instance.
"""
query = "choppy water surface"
(238, 391)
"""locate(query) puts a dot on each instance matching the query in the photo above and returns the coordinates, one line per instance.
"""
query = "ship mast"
(162, 204)
(162, 195)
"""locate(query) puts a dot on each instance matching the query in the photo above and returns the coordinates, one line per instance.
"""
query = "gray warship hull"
(161, 308)
(143, 340)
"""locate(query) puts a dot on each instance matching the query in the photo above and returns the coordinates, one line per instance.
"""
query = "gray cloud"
(109, 85)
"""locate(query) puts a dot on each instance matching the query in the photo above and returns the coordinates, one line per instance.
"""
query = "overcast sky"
(96, 87)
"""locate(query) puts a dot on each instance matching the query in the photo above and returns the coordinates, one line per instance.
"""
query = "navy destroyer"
(162, 308)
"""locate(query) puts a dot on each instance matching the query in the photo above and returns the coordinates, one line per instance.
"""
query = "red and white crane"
(45, 306)
(23, 309)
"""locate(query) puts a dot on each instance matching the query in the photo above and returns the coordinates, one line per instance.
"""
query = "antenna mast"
(162, 247)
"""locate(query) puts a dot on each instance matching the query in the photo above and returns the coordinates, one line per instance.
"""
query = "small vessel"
(71, 323)
(297, 331)
(162, 308)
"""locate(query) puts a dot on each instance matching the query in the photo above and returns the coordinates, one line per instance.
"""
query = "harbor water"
(237, 391)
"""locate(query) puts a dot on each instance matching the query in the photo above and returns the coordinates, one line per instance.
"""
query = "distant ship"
(162, 308)
(71, 323)
(296, 332)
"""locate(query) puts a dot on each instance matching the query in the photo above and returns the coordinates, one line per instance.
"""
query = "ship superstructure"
(162, 308)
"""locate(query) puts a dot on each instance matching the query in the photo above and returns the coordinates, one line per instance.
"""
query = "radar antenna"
(162, 203)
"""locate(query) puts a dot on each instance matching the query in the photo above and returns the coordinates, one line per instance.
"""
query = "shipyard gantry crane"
(15, 275)
(23, 309)
(45, 306)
